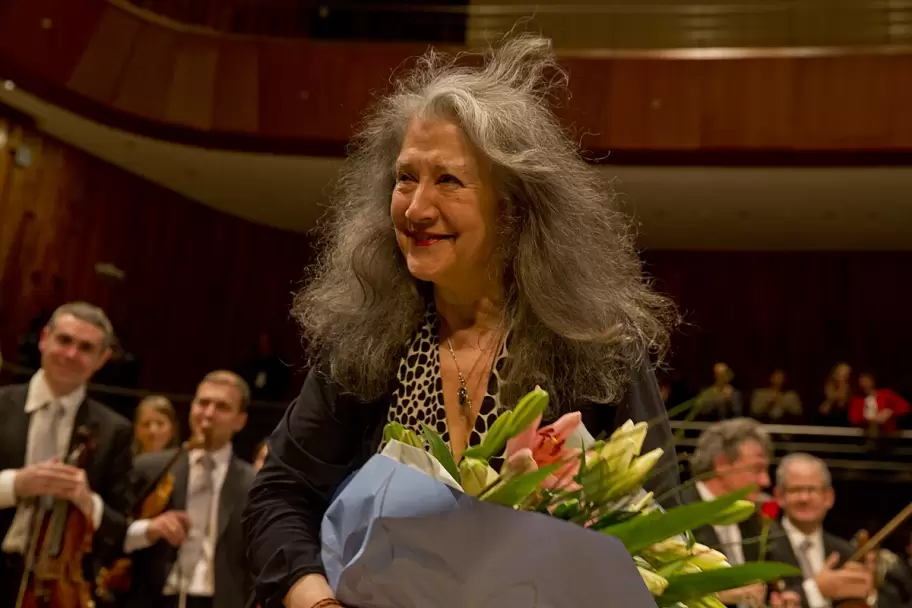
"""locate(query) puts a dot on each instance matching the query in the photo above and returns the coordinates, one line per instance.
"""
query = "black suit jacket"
(781, 550)
(108, 469)
(326, 435)
(151, 566)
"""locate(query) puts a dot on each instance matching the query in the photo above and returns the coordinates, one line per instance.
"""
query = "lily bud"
(735, 514)
(634, 432)
(709, 601)
(708, 559)
(642, 503)
(670, 549)
(634, 476)
(476, 475)
(654, 582)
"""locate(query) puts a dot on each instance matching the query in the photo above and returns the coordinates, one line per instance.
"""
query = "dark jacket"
(151, 566)
(326, 435)
(107, 470)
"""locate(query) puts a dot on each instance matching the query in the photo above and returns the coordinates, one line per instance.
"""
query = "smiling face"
(71, 352)
(443, 206)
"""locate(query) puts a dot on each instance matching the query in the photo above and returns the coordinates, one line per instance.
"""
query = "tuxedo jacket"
(107, 469)
(153, 565)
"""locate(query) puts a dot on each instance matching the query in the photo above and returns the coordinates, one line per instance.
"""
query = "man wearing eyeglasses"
(805, 492)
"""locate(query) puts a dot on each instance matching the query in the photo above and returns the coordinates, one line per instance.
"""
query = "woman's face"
(443, 206)
(153, 430)
(842, 373)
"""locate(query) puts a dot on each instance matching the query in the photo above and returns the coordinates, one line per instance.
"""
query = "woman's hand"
(308, 591)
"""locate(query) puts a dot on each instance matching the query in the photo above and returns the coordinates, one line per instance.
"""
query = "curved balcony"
(132, 70)
(617, 24)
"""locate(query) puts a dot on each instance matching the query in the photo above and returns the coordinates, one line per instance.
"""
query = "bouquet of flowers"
(561, 524)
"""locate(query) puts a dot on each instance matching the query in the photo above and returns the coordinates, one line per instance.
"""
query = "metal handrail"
(795, 429)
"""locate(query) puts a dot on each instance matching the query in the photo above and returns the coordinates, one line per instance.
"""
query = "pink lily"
(538, 447)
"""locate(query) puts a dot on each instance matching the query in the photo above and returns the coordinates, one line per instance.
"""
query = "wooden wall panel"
(237, 87)
(191, 98)
(147, 78)
(99, 70)
(199, 284)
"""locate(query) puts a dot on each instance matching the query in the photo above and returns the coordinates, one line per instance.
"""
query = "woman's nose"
(421, 209)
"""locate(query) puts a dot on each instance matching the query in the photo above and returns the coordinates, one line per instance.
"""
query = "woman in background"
(838, 391)
(472, 256)
(155, 426)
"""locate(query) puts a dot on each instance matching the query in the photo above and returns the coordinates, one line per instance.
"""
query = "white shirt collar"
(39, 394)
(797, 537)
(704, 492)
(221, 456)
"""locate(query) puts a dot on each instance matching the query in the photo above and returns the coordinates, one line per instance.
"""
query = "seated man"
(737, 453)
(804, 489)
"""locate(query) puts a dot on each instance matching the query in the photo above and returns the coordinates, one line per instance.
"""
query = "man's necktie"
(199, 510)
(804, 559)
(47, 440)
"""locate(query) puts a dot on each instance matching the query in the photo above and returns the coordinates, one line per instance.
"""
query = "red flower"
(770, 509)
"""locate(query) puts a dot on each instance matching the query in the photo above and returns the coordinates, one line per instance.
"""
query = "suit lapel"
(229, 497)
(83, 418)
(15, 424)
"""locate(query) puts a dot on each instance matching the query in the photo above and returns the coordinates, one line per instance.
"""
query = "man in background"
(38, 422)
(805, 492)
(194, 550)
(735, 454)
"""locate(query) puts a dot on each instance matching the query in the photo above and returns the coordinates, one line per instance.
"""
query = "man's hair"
(724, 439)
(782, 469)
(229, 378)
(88, 313)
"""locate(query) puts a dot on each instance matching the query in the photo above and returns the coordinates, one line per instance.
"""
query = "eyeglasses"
(812, 490)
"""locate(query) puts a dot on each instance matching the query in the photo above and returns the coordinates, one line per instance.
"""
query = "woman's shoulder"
(321, 395)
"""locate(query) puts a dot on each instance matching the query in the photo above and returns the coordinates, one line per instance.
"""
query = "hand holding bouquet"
(562, 524)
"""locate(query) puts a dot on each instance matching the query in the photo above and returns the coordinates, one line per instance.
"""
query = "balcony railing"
(604, 24)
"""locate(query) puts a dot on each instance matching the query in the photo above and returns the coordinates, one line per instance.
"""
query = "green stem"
(764, 538)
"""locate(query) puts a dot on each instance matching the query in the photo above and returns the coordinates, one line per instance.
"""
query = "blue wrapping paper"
(395, 537)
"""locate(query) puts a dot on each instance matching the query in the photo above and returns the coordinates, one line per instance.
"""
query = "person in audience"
(40, 420)
(805, 493)
(194, 551)
(260, 454)
(838, 391)
(732, 455)
(155, 426)
(264, 371)
(774, 403)
(473, 255)
(876, 409)
(721, 400)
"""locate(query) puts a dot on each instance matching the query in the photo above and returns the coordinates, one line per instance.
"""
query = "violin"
(150, 502)
(61, 536)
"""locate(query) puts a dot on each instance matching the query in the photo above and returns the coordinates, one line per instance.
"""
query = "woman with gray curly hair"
(472, 255)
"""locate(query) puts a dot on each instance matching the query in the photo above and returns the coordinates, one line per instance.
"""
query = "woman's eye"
(449, 179)
(404, 177)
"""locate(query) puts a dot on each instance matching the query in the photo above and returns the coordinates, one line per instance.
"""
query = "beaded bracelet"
(328, 603)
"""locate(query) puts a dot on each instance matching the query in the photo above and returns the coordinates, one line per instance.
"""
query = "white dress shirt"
(39, 395)
(729, 535)
(815, 556)
(202, 581)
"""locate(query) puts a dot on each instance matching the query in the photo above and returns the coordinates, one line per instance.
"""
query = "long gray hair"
(582, 315)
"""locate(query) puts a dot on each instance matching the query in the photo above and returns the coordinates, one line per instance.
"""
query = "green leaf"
(641, 532)
(683, 587)
(517, 489)
(613, 518)
(440, 451)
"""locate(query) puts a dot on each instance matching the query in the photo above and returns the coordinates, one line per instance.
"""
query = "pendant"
(463, 394)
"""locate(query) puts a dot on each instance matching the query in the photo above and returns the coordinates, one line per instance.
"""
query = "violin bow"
(882, 533)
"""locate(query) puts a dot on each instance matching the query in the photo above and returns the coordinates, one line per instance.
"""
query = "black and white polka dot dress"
(419, 397)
